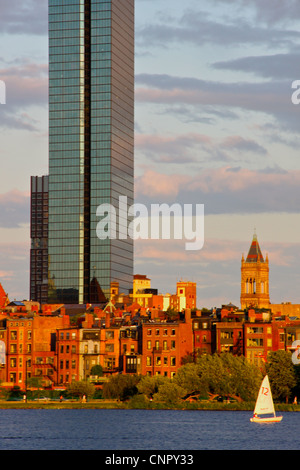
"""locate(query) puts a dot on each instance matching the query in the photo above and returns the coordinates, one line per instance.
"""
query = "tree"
(169, 393)
(121, 386)
(97, 370)
(149, 385)
(282, 375)
(220, 374)
(189, 379)
(80, 388)
(244, 378)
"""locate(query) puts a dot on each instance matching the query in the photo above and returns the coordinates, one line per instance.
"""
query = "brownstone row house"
(48, 347)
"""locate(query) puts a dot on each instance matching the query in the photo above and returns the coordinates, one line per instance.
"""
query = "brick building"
(165, 345)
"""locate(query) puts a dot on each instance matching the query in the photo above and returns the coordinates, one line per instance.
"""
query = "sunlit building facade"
(91, 133)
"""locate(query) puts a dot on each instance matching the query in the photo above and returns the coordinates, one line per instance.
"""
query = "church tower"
(255, 278)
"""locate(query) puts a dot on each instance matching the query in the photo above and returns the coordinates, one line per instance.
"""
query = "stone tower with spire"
(255, 278)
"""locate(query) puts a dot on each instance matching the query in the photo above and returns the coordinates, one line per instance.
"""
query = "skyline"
(214, 125)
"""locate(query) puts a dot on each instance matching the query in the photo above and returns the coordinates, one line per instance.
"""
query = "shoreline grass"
(146, 405)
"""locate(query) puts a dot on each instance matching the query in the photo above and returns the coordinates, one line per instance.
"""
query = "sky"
(214, 124)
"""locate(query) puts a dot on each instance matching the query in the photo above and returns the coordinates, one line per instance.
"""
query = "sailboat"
(264, 405)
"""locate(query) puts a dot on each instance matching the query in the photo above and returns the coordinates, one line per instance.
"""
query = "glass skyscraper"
(39, 239)
(91, 134)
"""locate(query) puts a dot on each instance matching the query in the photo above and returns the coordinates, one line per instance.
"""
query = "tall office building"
(39, 239)
(91, 133)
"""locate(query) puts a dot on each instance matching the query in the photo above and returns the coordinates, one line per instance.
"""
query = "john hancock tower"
(91, 133)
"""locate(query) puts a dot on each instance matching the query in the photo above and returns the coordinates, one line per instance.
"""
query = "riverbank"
(115, 404)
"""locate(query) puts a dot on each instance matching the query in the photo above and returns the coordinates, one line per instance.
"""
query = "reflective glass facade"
(39, 239)
(91, 132)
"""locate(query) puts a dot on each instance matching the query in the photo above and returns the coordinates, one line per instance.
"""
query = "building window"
(165, 345)
(149, 344)
(255, 342)
(173, 361)
(172, 344)
(148, 361)
(13, 362)
(158, 361)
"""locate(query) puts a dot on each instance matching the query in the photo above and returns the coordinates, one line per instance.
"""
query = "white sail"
(264, 403)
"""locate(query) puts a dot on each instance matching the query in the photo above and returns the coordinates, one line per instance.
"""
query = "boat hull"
(273, 419)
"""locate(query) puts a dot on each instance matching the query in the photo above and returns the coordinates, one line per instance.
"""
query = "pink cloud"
(157, 184)
(213, 180)
(14, 196)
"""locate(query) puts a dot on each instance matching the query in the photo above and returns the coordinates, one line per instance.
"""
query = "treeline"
(211, 376)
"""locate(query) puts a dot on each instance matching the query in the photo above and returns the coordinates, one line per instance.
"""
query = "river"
(61, 429)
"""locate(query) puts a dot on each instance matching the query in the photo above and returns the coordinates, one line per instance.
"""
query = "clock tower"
(255, 278)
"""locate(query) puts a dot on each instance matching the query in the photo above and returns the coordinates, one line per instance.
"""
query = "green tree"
(80, 388)
(121, 386)
(282, 375)
(149, 385)
(213, 374)
(35, 382)
(169, 393)
(221, 374)
(97, 370)
(188, 378)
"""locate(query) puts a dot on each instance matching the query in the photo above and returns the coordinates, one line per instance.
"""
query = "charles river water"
(112, 430)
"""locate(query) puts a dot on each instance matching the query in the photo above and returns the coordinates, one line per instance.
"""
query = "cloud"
(225, 190)
(269, 11)
(14, 209)
(26, 17)
(196, 148)
(176, 149)
(199, 28)
(269, 98)
(240, 144)
(26, 86)
(274, 66)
